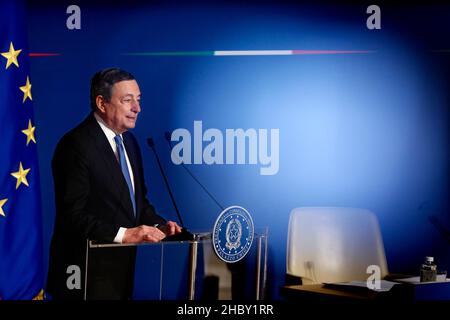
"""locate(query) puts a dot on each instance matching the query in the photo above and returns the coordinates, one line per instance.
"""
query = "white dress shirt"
(110, 134)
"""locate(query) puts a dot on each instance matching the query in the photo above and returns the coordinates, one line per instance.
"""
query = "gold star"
(29, 132)
(26, 89)
(11, 56)
(2, 202)
(21, 176)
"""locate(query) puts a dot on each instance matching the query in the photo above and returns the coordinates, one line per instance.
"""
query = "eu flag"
(21, 267)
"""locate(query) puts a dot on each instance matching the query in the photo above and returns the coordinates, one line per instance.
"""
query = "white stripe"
(254, 53)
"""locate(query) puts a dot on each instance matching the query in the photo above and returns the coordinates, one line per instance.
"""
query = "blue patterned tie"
(124, 167)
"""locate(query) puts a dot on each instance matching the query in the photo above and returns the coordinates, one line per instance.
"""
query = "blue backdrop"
(364, 130)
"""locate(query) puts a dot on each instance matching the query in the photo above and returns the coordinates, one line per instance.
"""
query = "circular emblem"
(233, 234)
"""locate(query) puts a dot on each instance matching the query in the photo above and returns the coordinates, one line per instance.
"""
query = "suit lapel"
(112, 166)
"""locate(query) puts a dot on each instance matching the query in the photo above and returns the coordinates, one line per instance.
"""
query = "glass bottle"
(428, 270)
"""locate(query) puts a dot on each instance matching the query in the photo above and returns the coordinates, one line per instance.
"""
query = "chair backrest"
(333, 244)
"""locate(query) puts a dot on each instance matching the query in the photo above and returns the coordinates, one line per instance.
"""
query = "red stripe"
(43, 54)
(329, 51)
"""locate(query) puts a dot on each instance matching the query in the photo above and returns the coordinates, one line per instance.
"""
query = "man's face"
(121, 112)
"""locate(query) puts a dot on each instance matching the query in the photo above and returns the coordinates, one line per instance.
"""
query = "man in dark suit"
(101, 195)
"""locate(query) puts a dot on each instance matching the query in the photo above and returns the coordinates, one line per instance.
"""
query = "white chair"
(333, 244)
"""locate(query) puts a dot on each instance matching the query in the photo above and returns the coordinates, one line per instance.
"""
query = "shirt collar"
(110, 134)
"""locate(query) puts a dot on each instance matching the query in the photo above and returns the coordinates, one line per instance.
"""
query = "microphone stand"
(184, 234)
(169, 141)
(237, 269)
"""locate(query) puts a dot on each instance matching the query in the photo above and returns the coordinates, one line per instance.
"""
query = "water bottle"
(428, 270)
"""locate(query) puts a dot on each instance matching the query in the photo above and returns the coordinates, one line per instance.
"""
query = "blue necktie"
(124, 167)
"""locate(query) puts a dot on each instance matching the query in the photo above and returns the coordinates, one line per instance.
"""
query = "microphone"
(169, 141)
(184, 234)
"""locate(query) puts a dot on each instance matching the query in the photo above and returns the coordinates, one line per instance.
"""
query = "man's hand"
(170, 228)
(143, 234)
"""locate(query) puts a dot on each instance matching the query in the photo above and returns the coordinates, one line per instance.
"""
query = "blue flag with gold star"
(21, 265)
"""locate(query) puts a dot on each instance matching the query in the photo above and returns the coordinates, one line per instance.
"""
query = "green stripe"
(171, 53)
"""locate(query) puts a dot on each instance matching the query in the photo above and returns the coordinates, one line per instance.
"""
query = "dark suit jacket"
(93, 202)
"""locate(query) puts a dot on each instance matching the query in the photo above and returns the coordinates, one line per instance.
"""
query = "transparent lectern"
(190, 270)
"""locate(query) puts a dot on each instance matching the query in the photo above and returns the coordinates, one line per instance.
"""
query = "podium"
(190, 270)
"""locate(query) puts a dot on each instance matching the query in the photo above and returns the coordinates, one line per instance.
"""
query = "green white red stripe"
(247, 52)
